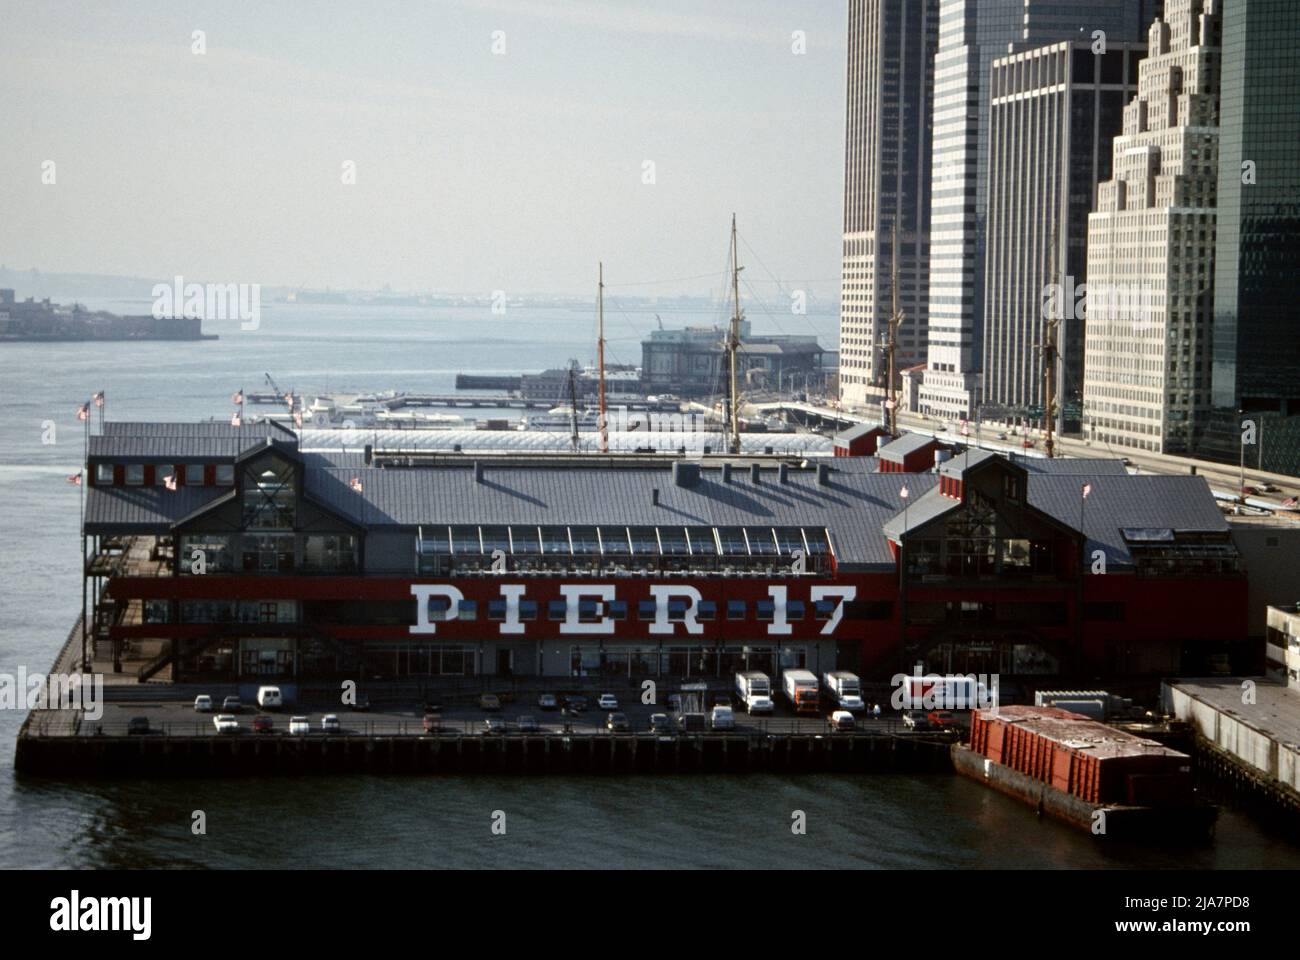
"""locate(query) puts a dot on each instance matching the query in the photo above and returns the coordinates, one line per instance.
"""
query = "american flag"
(288, 398)
(169, 481)
(74, 479)
(1087, 489)
(236, 420)
(903, 493)
(99, 398)
(297, 418)
(237, 397)
(355, 484)
(83, 412)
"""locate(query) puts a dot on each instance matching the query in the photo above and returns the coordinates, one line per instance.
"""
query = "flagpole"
(85, 459)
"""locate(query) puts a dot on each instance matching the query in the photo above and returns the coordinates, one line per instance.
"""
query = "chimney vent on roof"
(783, 473)
(654, 496)
(685, 474)
(726, 473)
(823, 474)
(768, 451)
(478, 472)
(753, 472)
(370, 454)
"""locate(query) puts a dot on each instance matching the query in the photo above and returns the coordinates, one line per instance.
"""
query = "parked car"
(270, 698)
(362, 704)
(617, 723)
(232, 705)
(675, 702)
(942, 719)
(494, 725)
(225, 723)
(576, 704)
(263, 724)
(842, 720)
(1263, 486)
(692, 722)
(203, 703)
(659, 723)
(607, 701)
(1002, 436)
(489, 701)
(137, 725)
(547, 701)
(914, 720)
(432, 723)
(330, 724)
(298, 726)
(722, 718)
(528, 724)
(1249, 491)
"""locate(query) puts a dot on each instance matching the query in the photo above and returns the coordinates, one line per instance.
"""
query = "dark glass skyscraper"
(1256, 362)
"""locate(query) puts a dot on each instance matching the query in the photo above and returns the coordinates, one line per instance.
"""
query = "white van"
(269, 698)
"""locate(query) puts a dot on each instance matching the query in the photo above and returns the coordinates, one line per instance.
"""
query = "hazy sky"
(474, 171)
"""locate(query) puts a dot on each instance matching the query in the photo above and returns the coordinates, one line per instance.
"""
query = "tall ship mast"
(600, 357)
(733, 346)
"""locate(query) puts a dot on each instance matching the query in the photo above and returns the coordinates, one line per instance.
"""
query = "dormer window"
(104, 474)
(225, 475)
(134, 474)
(1011, 488)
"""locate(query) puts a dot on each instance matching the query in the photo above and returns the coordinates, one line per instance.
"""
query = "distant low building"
(692, 362)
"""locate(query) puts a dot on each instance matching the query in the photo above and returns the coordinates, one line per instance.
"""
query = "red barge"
(1085, 773)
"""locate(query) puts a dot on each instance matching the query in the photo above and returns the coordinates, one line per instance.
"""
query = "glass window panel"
(495, 538)
(761, 542)
(556, 540)
(525, 540)
(673, 541)
(584, 540)
(644, 541)
(733, 541)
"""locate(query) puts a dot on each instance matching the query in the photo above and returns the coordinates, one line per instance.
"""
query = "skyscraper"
(1054, 112)
(1257, 243)
(886, 185)
(972, 33)
(1151, 245)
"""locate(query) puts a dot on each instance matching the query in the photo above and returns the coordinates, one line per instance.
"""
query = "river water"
(365, 821)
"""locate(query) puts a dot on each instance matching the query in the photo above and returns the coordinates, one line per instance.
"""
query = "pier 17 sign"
(587, 608)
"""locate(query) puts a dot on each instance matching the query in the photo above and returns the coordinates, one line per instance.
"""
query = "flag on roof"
(74, 479)
(237, 397)
(297, 418)
(83, 412)
(169, 481)
(1087, 489)
(99, 398)
(236, 420)
(355, 484)
(903, 493)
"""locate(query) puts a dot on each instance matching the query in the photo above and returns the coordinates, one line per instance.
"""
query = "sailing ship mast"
(733, 346)
(895, 321)
(600, 356)
(1051, 326)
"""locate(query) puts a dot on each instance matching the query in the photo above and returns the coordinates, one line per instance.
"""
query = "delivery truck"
(844, 690)
(754, 690)
(801, 690)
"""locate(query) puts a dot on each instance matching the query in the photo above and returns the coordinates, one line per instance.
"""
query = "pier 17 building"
(239, 553)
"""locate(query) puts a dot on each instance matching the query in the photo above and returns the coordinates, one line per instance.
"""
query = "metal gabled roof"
(121, 509)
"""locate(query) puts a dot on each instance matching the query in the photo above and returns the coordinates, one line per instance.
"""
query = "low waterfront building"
(692, 362)
(1282, 646)
(233, 553)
